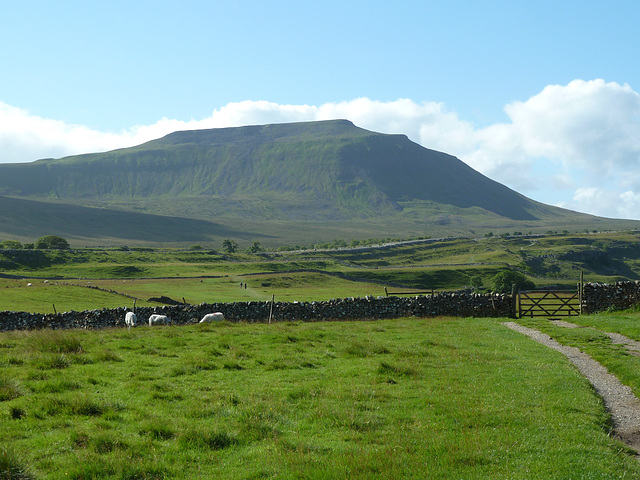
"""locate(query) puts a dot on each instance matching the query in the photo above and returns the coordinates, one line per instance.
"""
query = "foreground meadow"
(406, 398)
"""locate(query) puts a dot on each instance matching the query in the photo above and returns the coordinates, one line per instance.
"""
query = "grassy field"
(35, 295)
(316, 274)
(406, 398)
(592, 340)
(84, 294)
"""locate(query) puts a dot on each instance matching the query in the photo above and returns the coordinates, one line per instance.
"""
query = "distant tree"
(476, 282)
(504, 280)
(28, 246)
(255, 248)
(52, 242)
(11, 244)
(338, 243)
(229, 246)
(195, 247)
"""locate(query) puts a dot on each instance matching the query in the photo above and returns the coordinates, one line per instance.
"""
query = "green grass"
(405, 398)
(81, 295)
(209, 276)
(41, 297)
(591, 339)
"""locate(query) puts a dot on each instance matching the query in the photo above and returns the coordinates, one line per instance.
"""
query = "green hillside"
(285, 183)
(324, 165)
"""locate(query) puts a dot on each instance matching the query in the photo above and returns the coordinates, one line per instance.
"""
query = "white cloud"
(584, 134)
(25, 137)
(592, 125)
(604, 202)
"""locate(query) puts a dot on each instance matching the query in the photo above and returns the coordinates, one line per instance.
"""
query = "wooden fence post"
(580, 287)
(273, 297)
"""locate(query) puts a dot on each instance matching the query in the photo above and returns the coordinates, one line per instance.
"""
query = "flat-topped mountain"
(299, 175)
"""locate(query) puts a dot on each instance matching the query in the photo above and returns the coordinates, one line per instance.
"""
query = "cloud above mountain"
(574, 145)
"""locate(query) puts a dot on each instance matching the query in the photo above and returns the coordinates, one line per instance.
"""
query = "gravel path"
(632, 345)
(623, 405)
(617, 339)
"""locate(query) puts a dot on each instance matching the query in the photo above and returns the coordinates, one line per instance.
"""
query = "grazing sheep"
(159, 320)
(212, 317)
(130, 319)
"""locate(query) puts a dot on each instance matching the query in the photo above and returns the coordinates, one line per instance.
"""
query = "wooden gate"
(549, 303)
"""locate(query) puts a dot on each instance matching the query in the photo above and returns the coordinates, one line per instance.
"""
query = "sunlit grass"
(400, 398)
(592, 339)
(41, 297)
(140, 274)
(81, 295)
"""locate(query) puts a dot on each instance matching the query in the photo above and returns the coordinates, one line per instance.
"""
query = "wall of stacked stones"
(368, 308)
(597, 297)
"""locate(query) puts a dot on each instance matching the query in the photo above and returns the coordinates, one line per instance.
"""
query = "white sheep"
(159, 320)
(212, 317)
(130, 319)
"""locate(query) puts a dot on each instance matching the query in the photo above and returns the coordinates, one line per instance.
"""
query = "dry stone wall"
(597, 297)
(368, 308)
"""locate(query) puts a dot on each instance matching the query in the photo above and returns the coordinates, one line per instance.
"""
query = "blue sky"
(541, 96)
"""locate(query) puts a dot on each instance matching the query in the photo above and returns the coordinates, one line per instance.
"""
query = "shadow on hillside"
(19, 216)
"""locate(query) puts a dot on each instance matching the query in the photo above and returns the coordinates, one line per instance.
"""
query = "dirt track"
(623, 405)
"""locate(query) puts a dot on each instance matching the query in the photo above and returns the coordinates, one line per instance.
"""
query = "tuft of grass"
(79, 440)
(54, 362)
(147, 472)
(181, 370)
(81, 405)
(366, 348)
(287, 363)
(206, 439)
(12, 467)
(85, 406)
(57, 341)
(232, 365)
(59, 385)
(95, 468)
(108, 356)
(17, 413)
(9, 389)
(202, 362)
(387, 368)
(105, 443)
(157, 430)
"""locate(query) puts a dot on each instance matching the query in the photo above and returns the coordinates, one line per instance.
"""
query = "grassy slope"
(247, 220)
(391, 399)
(208, 276)
(280, 184)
